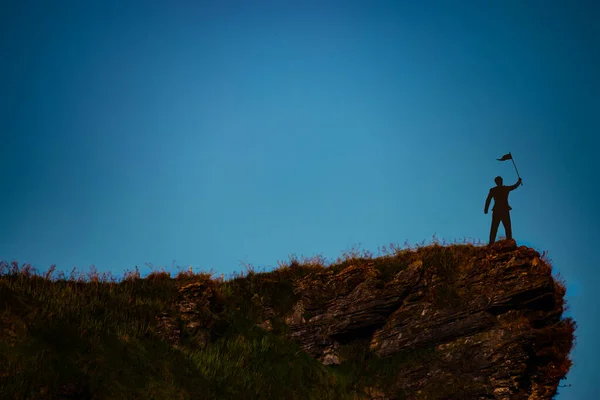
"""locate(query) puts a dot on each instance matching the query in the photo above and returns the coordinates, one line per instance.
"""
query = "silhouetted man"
(501, 209)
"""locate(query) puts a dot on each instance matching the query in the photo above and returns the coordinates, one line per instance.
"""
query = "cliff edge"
(435, 322)
(493, 322)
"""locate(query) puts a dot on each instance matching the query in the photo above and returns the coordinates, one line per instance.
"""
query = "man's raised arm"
(516, 185)
(487, 202)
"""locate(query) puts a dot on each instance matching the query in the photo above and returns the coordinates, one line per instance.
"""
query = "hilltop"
(435, 322)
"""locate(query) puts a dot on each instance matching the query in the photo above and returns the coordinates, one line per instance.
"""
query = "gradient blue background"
(211, 134)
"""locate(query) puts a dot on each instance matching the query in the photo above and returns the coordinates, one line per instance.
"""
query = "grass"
(95, 337)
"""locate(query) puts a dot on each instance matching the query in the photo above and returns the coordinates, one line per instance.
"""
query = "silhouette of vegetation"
(91, 336)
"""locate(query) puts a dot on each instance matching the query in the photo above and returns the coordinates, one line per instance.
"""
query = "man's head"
(498, 180)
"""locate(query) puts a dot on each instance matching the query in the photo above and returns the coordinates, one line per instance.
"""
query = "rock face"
(194, 309)
(495, 321)
(491, 321)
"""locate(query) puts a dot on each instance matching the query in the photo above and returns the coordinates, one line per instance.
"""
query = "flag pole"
(513, 161)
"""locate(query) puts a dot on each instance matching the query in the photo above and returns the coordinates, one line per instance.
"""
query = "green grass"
(96, 337)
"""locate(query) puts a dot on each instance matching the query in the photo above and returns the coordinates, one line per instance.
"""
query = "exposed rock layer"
(488, 319)
(493, 322)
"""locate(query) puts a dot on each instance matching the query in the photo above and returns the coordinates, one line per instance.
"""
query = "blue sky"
(213, 134)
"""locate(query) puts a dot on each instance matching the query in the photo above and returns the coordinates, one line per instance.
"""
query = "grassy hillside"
(91, 336)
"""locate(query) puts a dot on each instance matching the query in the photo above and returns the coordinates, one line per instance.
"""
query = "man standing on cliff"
(501, 209)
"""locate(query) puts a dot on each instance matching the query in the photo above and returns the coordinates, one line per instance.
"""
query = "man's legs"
(507, 225)
(494, 228)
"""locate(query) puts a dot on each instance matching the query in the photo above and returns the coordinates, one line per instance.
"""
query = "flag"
(505, 157)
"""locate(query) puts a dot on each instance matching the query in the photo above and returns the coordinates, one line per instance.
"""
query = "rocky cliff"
(468, 323)
(434, 322)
